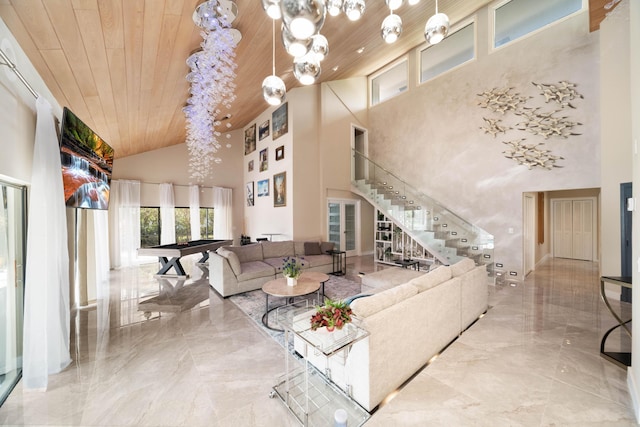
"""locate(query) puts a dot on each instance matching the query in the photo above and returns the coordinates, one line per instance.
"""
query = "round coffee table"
(279, 288)
(318, 277)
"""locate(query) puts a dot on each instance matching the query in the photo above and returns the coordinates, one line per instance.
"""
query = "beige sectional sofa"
(408, 325)
(236, 269)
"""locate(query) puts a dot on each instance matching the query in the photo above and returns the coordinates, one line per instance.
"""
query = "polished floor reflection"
(155, 354)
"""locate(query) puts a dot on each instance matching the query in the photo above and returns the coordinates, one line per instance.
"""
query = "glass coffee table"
(279, 288)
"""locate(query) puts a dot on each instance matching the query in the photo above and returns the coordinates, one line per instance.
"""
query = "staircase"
(445, 235)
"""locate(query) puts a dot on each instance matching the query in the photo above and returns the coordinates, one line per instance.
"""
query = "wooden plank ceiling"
(120, 64)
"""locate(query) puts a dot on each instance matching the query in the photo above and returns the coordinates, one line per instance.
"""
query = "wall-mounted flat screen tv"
(87, 162)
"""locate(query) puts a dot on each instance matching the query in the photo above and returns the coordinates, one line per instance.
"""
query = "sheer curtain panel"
(124, 222)
(223, 213)
(167, 215)
(194, 211)
(46, 318)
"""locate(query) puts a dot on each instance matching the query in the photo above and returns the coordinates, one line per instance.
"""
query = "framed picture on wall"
(263, 130)
(280, 121)
(263, 187)
(280, 189)
(280, 153)
(250, 166)
(250, 199)
(264, 160)
(250, 139)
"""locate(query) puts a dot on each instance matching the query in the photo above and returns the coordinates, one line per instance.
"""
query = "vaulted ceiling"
(120, 64)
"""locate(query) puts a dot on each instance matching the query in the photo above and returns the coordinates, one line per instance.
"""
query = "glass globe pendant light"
(391, 28)
(272, 7)
(437, 27)
(303, 18)
(354, 9)
(394, 4)
(334, 7)
(306, 69)
(319, 46)
(274, 90)
(294, 46)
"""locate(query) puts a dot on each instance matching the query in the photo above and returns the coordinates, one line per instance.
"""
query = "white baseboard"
(633, 392)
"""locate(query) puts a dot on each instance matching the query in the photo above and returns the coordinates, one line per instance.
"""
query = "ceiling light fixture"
(334, 7)
(391, 28)
(303, 18)
(212, 74)
(306, 69)
(274, 90)
(354, 9)
(394, 4)
(437, 27)
(294, 47)
(272, 7)
(319, 46)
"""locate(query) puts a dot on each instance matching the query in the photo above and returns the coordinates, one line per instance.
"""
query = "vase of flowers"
(332, 315)
(291, 269)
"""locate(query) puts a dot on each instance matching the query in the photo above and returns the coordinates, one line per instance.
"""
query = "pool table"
(169, 255)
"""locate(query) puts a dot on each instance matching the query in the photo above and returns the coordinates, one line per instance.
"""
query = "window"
(389, 83)
(150, 225)
(206, 223)
(517, 18)
(454, 50)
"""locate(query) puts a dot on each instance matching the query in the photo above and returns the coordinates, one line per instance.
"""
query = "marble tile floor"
(533, 360)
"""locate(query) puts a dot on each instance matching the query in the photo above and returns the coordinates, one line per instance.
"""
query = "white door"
(573, 229)
(343, 225)
(529, 233)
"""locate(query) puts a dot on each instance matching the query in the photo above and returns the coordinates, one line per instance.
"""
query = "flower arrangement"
(291, 268)
(334, 314)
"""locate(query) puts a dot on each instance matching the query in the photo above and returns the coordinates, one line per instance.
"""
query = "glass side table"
(306, 392)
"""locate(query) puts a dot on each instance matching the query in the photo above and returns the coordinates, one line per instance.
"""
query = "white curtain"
(194, 211)
(167, 215)
(222, 213)
(124, 218)
(46, 316)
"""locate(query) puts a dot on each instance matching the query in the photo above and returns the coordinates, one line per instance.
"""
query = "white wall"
(431, 136)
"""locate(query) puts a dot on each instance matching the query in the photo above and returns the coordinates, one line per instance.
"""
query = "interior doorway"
(626, 227)
(343, 228)
(360, 144)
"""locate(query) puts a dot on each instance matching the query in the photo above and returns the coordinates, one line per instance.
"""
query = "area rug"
(253, 303)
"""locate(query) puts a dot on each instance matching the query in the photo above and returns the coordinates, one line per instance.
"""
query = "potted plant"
(333, 315)
(291, 269)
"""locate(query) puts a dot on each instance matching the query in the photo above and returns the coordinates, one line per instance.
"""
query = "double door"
(343, 224)
(574, 228)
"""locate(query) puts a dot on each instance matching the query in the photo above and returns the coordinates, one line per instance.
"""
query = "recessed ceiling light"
(336, 68)
(360, 50)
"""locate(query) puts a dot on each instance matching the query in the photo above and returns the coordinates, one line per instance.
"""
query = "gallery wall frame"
(249, 190)
(264, 159)
(250, 139)
(250, 166)
(263, 130)
(280, 189)
(280, 121)
(263, 187)
(280, 153)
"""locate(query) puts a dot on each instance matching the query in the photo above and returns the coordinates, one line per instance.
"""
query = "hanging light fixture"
(294, 47)
(394, 4)
(437, 27)
(303, 18)
(273, 88)
(319, 46)
(334, 7)
(272, 7)
(354, 9)
(391, 28)
(306, 69)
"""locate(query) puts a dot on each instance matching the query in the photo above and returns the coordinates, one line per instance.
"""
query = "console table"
(623, 359)
(306, 392)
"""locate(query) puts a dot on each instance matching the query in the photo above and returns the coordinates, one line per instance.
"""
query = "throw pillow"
(234, 262)
(326, 247)
(461, 267)
(312, 248)
(432, 278)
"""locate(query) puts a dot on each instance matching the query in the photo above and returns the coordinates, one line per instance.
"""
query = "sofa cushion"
(461, 267)
(432, 278)
(234, 262)
(255, 270)
(277, 249)
(366, 306)
(315, 260)
(247, 253)
(389, 277)
(298, 248)
(312, 248)
(326, 247)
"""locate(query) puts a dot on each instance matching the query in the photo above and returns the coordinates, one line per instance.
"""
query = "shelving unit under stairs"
(392, 244)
